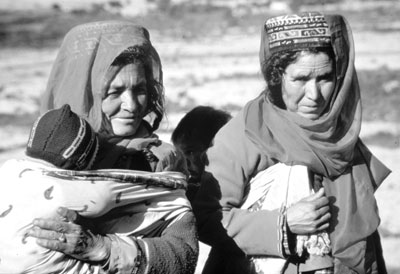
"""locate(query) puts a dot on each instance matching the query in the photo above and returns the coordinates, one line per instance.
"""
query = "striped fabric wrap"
(167, 179)
(127, 203)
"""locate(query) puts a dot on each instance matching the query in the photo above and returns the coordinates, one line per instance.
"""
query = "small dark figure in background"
(193, 136)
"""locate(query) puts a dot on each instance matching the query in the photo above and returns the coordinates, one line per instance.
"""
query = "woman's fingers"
(321, 202)
(324, 226)
(317, 200)
(325, 218)
(46, 234)
(310, 214)
(68, 215)
(51, 244)
(324, 221)
(55, 234)
(322, 211)
(48, 239)
(51, 225)
(72, 217)
(65, 235)
(320, 193)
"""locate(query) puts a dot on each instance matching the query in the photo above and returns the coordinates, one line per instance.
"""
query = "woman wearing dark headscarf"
(308, 116)
(110, 74)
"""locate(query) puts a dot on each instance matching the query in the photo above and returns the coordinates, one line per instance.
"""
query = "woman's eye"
(301, 79)
(298, 82)
(326, 78)
(141, 90)
(114, 92)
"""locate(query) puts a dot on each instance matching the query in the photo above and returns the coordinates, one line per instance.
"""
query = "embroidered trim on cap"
(78, 140)
(292, 31)
(89, 152)
(33, 132)
(33, 129)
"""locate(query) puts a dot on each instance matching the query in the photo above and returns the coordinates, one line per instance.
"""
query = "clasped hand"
(309, 215)
(66, 235)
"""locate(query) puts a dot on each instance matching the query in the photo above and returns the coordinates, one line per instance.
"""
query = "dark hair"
(276, 65)
(200, 126)
(155, 89)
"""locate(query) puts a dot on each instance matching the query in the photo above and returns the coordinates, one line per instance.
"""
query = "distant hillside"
(45, 27)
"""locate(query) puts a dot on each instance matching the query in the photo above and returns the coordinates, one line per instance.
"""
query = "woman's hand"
(66, 235)
(310, 214)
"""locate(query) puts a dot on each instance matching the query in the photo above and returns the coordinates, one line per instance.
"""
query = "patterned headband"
(296, 31)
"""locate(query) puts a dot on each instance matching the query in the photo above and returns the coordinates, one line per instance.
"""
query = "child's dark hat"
(64, 139)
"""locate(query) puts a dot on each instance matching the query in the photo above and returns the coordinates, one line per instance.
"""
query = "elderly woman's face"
(308, 84)
(125, 101)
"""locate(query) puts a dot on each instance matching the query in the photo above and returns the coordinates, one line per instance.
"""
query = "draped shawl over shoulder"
(78, 74)
(329, 146)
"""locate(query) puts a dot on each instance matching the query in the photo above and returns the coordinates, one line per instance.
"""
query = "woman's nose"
(129, 101)
(313, 90)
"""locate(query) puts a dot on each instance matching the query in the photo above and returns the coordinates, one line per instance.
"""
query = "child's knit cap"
(64, 139)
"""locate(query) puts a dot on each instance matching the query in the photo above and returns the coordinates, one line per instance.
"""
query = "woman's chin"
(310, 116)
(124, 130)
(124, 133)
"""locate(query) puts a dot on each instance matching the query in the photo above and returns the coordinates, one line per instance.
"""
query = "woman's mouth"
(131, 118)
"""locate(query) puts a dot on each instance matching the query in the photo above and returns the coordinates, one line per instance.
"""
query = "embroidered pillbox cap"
(297, 31)
(64, 139)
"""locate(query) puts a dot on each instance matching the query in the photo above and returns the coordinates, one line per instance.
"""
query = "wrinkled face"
(125, 101)
(308, 84)
(195, 155)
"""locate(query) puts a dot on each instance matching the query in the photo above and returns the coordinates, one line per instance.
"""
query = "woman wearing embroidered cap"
(111, 75)
(290, 186)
